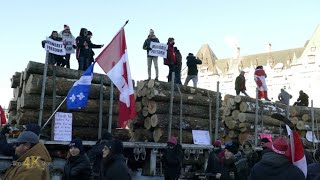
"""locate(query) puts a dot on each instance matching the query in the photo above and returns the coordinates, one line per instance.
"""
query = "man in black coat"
(303, 99)
(114, 165)
(276, 164)
(213, 165)
(192, 63)
(172, 159)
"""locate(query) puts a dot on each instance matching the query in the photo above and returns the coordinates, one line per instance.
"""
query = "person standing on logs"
(93, 46)
(260, 78)
(303, 99)
(240, 84)
(69, 42)
(171, 60)
(192, 63)
(154, 59)
(54, 59)
(284, 97)
(179, 64)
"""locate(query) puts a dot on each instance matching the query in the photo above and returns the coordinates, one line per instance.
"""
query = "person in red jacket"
(260, 78)
(171, 60)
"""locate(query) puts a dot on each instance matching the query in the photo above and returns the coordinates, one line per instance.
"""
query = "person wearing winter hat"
(53, 59)
(95, 153)
(93, 46)
(32, 159)
(150, 59)
(192, 63)
(214, 159)
(114, 164)
(276, 164)
(69, 42)
(172, 159)
(78, 165)
(33, 127)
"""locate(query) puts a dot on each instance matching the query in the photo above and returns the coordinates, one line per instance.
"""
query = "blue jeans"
(84, 63)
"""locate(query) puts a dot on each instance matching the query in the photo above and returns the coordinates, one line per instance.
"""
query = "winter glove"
(74, 46)
(6, 129)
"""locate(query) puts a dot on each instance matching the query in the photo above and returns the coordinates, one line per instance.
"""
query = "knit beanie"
(115, 146)
(33, 127)
(77, 143)
(232, 148)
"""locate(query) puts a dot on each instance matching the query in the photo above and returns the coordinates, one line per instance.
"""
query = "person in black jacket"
(192, 63)
(154, 59)
(179, 65)
(303, 99)
(95, 154)
(276, 164)
(172, 159)
(114, 165)
(314, 168)
(213, 165)
(52, 58)
(89, 36)
(78, 165)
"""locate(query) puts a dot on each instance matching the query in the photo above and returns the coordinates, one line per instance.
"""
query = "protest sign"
(158, 49)
(62, 126)
(309, 137)
(69, 42)
(55, 47)
(201, 137)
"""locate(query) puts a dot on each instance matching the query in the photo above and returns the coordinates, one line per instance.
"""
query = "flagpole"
(110, 107)
(53, 114)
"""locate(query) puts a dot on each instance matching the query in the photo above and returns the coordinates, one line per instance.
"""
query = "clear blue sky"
(252, 24)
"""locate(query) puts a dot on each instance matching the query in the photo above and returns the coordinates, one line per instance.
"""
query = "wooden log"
(37, 68)
(226, 111)
(63, 85)
(12, 106)
(300, 125)
(138, 106)
(187, 110)
(245, 137)
(32, 101)
(145, 101)
(306, 117)
(12, 117)
(142, 135)
(250, 118)
(237, 99)
(232, 134)
(143, 91)
(145, 111)
(235, 114)
(249, 107)
(21, 82)
(189, 123)
(151, 83)
(17, 93)
(294, 120)
(161, 135)
(299, 111)
(147, 123)
(230, 123)
(15, 80)
(79, 119)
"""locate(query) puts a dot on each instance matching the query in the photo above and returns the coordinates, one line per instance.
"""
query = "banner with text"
(158, 49)
(55, 47)
(62, 126)
(69, 42)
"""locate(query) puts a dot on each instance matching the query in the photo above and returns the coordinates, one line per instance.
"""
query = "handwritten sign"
(55, 47)
(62, 126)
(69, 42)
(201, 137)
(158, 49)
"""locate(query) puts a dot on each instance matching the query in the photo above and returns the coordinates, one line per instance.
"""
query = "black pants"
(67, 62)
(176, 70)
(300, 104)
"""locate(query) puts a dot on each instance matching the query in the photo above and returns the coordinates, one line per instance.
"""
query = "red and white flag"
(298, 158)
(114, 62)
(2, 116)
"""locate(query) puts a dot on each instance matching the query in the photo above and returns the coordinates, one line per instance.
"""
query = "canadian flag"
(114, 62)
(2, 116)
(297, 157)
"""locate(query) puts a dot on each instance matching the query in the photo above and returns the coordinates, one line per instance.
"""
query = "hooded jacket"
(147, 42)
(33, 165)
(274, 166)
(78, 168)
(192, 63)
(172, 159)
(114, 168)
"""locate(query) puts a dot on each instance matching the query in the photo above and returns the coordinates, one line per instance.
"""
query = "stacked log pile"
(239, 117)
(27, 86)
(153, 106)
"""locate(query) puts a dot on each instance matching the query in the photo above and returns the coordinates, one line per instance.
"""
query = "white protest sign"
(201, 137)
(309, 137)
(55, 47)
(69, 42)
(158, 49)
(62, 126)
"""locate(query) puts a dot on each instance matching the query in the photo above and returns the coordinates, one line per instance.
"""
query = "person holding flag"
(114, 62)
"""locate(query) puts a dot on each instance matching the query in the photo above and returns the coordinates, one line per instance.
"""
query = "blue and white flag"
(78, 95)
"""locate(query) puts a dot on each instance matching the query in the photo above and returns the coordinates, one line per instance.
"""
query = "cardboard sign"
(201, 137)
(62, 126)
(55, 47)
(158, 49)
(69, 42)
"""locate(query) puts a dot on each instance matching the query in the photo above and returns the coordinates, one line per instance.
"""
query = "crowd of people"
(82, 46)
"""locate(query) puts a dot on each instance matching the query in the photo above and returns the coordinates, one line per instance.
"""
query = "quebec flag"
(78, 95)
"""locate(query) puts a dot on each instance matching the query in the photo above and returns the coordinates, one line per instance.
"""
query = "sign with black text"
(201, 137)
(62, 126)
(55, 47)
(69, 42)
(158, 49)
